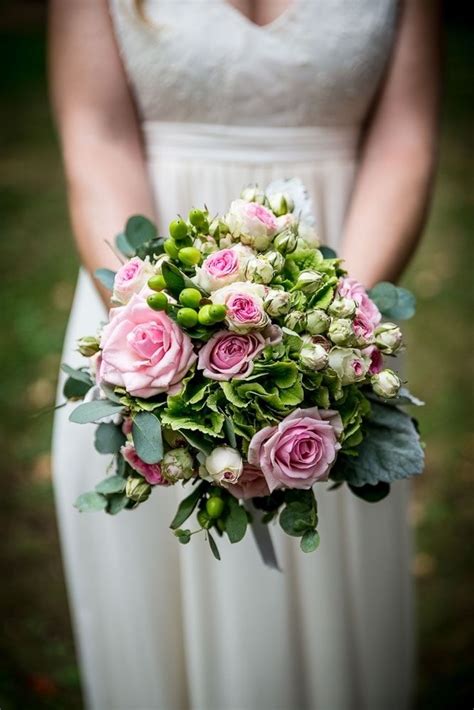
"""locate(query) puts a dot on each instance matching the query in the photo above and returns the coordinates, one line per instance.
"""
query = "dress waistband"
(254, 144)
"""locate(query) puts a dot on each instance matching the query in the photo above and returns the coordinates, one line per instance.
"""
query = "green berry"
(187, 317)
(217, 313)
(190, 297)
(157, 283)
(197, 218)
(215, 507)
(178, 229)
(171, 248)
(190, 256)
(203, 519)
(157, 301)
(204, 316)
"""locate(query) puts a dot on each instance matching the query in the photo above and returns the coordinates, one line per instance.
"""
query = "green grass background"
(38, 269)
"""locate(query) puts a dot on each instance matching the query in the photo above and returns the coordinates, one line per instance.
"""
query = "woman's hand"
(100, 136)
(392, 189)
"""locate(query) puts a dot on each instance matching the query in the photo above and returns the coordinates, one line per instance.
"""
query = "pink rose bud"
(130, 279)
(350, 288)
(151, 472)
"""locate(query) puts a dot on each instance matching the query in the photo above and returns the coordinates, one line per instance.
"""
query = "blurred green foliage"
(38, 270)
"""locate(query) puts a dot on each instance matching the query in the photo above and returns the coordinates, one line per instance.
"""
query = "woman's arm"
(102, 150)
(392, 189)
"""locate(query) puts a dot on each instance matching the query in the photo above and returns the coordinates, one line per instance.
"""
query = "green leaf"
(391, 450)
(187, 505)
(76, 374)
(393, 301)
(323, 297)
(213, 546)
(108, 438)
(370, 493)
(90, 502)
(147, 438)
(75, 389)
(111, 484)
(124, 246)
(230, 432)
(327, 252)
(184, 536)
(236, 520)
(93, 411)
(173, 277)
(310, 541)
(116, 502)
(106, 277)
(139, 230)
(199, 442)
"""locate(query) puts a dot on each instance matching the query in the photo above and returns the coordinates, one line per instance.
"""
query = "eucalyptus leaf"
(111, 484)
(370, 493)
(116, 502)
(296, 518)
(75, 389)
(310, 541)
(327, 252)
(124, 246)
(90, 502)
(93, 411)
(77, 374)
(108, 438)
(147, 437)
(198, 441)
(139, 230)
(393, 301)
(236, 520)
(106, 277)
(213, 546)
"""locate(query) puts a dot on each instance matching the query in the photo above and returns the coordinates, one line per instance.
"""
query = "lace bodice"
(319, 63)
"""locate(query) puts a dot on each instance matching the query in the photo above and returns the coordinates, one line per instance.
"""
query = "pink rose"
(300, 450)
(143, 350)
(251, 484)
(244, 302)
(130, 279)
(151, 472)
(252, 223)
(350, 288)
(230, 355)
(376, 359)
(363, 327)
(222, 267)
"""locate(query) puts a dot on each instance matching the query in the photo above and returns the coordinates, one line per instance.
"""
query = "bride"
(165, 104)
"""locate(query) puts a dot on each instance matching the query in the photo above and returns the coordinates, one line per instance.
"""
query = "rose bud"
(349, 364)
(341, 331)
(314, 357)
(275, 259)
(253, 194)
(88, 345)
(258, 270)
(224, 465)
(308, 281)
(281, 203)
(286, 241)
(388, 338)
(137, 489)
(277, 303)
(385, 384)
(177, 464)
(317, 321)
(296, 321)
(342, 308)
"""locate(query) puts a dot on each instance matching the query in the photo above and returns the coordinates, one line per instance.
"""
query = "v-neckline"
(279, 19)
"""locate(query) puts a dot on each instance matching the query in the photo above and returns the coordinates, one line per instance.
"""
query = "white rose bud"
(296, 321)
(341, 331)
(349, 364)
(388, 338)
(317, 321)
(275, 259)
(314, 357)
(386, 384)
(309, 235)
(258, 270)
(224, 465)
(286, 241)
(176, 465)
(206, 245)
(281, 203)
(342, 308)
(253, 194)
(308, 281)
(137, 489)
(277, 303)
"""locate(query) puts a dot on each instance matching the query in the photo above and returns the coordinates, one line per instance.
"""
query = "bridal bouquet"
(242, 362)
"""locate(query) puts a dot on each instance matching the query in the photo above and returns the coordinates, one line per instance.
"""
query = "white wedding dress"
(225, 103)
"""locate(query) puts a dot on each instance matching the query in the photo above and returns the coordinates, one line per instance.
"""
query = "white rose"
(313, 356)
(223, 465)
(388, 338)
(385, 384)
(130, 279)
(252, 223)
(349, 364)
